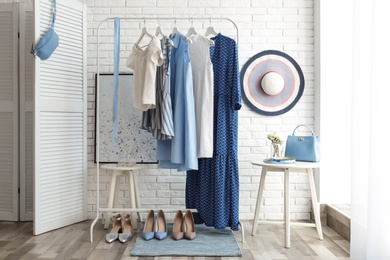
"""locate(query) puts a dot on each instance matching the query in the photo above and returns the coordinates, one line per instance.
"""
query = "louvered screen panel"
(8, 113)
(62, 165)
(29, 165)
(26, 84)
(29, 59)
(6, 163)
(6, 52)
(60, 112)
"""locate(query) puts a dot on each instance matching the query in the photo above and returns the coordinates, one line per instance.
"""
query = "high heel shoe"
(116, 228)
(126, 229)
(189, 225)
(148, 232)
(177, 229)
(160, 226)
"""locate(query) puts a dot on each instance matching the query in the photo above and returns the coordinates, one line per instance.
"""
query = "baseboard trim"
(337, 219)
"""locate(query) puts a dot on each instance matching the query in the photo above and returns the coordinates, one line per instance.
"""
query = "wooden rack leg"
(259, 199)
(132, 198)
(315, 205)
(111, 197)
(287, 206)
(137, 198)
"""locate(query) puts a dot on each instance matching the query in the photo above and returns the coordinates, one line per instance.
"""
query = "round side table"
(306, 167)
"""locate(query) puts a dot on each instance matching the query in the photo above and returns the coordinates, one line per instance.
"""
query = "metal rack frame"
(99, 210)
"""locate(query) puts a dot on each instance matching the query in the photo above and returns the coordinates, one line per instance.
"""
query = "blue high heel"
(160, 226)
(148, 232)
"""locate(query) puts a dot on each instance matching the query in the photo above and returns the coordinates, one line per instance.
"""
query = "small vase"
(277, 150)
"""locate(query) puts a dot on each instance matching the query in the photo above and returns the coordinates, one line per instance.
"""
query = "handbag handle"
(311, 130)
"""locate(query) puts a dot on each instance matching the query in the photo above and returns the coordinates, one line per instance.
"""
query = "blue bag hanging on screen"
(49, 42)
(303, 148)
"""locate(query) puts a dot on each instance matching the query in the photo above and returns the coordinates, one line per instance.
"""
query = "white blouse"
(144, 65)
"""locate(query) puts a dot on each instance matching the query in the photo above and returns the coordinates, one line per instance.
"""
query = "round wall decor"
(272, 82)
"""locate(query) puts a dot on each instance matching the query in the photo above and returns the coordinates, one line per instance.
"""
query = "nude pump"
(177, 229)
(189, 225)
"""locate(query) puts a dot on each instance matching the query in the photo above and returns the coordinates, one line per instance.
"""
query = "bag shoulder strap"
(33, 51)
(54, 13)
(311, 130)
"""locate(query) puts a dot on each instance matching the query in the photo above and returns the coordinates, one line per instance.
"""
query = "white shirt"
(203, 81)
(144, 64)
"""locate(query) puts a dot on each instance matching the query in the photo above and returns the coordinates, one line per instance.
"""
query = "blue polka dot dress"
(214, 188)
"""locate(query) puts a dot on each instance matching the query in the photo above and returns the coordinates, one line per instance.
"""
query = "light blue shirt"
(181, 152)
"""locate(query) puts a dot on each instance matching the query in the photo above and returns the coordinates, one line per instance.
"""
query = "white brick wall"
(285, 25)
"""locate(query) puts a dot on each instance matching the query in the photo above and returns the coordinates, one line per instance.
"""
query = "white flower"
(275, 138)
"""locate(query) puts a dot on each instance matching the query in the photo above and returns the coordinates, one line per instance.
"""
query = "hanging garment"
(202, 76)
(144, 63)
(180, 153)
(166, 108)
(214, 189)
(159, 120)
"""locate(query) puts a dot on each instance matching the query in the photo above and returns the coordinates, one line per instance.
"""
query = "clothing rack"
(99, 210)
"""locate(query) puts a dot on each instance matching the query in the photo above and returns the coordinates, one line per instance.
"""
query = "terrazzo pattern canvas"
(132, 144)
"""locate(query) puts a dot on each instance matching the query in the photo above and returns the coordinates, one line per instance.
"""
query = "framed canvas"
(132, 144)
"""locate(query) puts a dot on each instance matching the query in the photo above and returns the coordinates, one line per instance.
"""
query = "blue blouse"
(181, 152)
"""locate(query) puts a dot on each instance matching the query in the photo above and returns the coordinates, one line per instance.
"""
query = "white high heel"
(116, 228)
(126, 229)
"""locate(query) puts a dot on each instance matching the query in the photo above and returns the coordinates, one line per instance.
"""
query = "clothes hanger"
(176, 30)
(159, 31)
(210, 30)
(191, 30)
(143, 33)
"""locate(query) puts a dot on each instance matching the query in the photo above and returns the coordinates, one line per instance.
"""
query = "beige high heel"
(177, 229)
(189, 225)
(116, 228)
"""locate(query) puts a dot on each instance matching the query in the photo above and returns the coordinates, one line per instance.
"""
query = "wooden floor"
(72, 242)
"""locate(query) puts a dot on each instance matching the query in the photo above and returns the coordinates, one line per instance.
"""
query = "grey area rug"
(208, 242)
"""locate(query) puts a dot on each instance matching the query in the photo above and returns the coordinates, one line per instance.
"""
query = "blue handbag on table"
(49, 42)
(303, 148)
